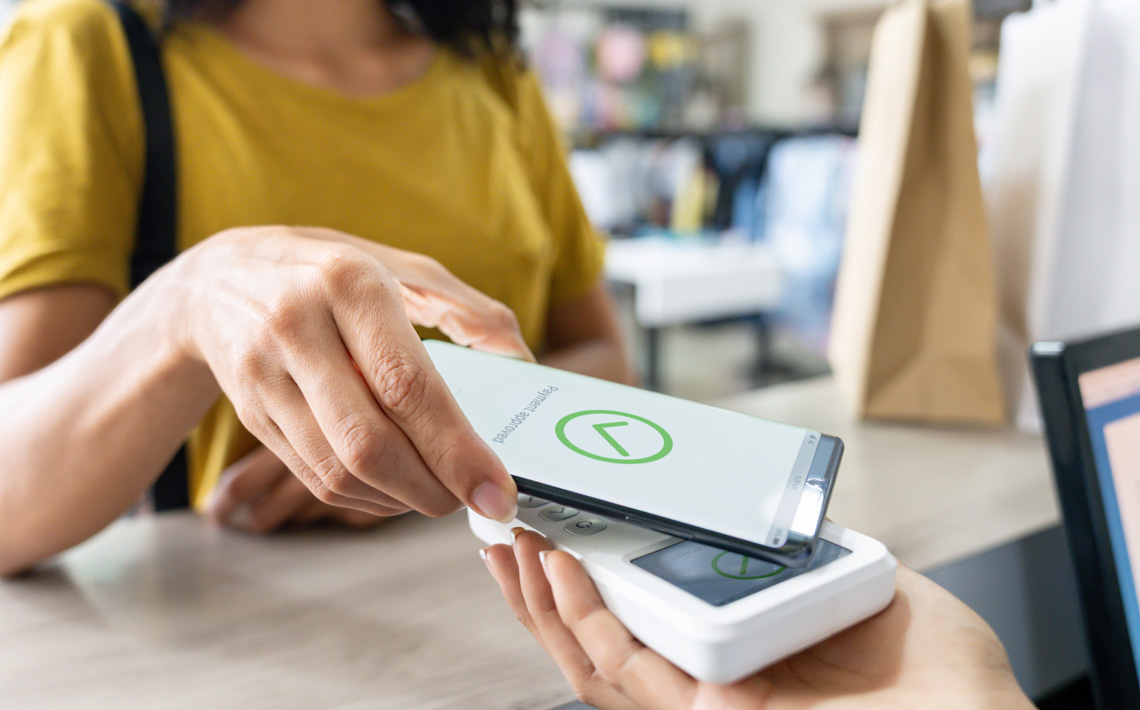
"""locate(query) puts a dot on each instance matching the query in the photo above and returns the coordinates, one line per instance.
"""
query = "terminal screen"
(1111, 398)
(720, 577)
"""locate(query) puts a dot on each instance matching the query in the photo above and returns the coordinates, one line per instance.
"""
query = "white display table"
(677, 281)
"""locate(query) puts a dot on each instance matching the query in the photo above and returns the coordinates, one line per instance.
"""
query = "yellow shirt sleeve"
(580, 250)
(70, 148)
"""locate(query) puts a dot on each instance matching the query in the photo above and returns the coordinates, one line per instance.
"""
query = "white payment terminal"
(717, 615)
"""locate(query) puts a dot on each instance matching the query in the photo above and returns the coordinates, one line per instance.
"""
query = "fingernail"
(485, 556)
(515, 532)
(542, 559)
(492, 502)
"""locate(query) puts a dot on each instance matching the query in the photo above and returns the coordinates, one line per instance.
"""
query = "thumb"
(414, 397)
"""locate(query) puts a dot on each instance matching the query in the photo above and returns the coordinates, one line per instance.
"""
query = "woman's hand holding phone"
(309, 333)
(927, 649)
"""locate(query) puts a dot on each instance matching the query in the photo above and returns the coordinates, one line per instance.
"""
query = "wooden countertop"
(933, 495)
(170, 611)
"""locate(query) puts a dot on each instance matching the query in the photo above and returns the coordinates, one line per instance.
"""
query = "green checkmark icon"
(601, 429)
(743, 574)
(645, 449)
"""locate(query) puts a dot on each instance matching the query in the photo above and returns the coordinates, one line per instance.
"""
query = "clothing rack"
(753, 169)
(592, 138)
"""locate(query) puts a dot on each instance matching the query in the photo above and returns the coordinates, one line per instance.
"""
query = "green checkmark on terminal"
(728, 559)
(588, 433)
(601, 429)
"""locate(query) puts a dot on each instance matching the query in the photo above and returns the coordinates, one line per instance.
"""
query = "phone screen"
(742, 478)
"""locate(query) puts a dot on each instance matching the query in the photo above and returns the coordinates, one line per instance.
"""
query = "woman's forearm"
(84, 437)
(597, 357)
(583, 336)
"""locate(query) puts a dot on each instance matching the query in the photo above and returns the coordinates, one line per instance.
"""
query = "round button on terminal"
(585, 526)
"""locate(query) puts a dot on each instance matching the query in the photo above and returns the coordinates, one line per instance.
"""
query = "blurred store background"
(714, 141)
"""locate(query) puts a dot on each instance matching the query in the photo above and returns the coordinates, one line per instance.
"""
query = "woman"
(419, 149)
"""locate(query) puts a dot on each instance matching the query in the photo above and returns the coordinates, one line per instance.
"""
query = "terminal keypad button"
(585, 526)
(526, 501)
(557, 512)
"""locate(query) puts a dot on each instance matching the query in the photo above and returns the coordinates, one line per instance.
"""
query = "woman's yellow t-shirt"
(464, 165)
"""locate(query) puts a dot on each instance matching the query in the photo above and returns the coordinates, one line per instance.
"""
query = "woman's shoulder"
(86, 21)
(71, 31)
(506, 74)
(515, 88)
(68, 56)
(66, 40)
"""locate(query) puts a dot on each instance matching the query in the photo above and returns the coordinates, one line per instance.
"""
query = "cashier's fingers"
(625, 663)
(501, 563)
(522, 570)
(556, 638)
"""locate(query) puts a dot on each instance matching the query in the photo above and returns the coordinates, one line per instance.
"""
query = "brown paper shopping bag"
(914, 326)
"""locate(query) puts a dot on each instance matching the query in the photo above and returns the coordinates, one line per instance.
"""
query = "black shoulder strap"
(156, 240)
(156, 234)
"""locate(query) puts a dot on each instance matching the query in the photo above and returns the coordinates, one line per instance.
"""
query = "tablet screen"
(1111, 398)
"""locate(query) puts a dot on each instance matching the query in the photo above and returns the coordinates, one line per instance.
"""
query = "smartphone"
(696, 472)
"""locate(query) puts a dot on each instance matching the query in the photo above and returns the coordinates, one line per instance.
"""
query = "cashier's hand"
(927, 649)
(259, 494)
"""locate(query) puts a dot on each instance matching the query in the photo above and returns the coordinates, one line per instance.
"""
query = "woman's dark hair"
(466, 26)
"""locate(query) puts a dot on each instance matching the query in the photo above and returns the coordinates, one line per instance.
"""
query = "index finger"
(466, 316)
(436, 298)
(413, 395)
(636, 671)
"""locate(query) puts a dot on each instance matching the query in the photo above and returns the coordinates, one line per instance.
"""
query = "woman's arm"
(42, 325)
(582, 336)
(85, 434)
(308, 332)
